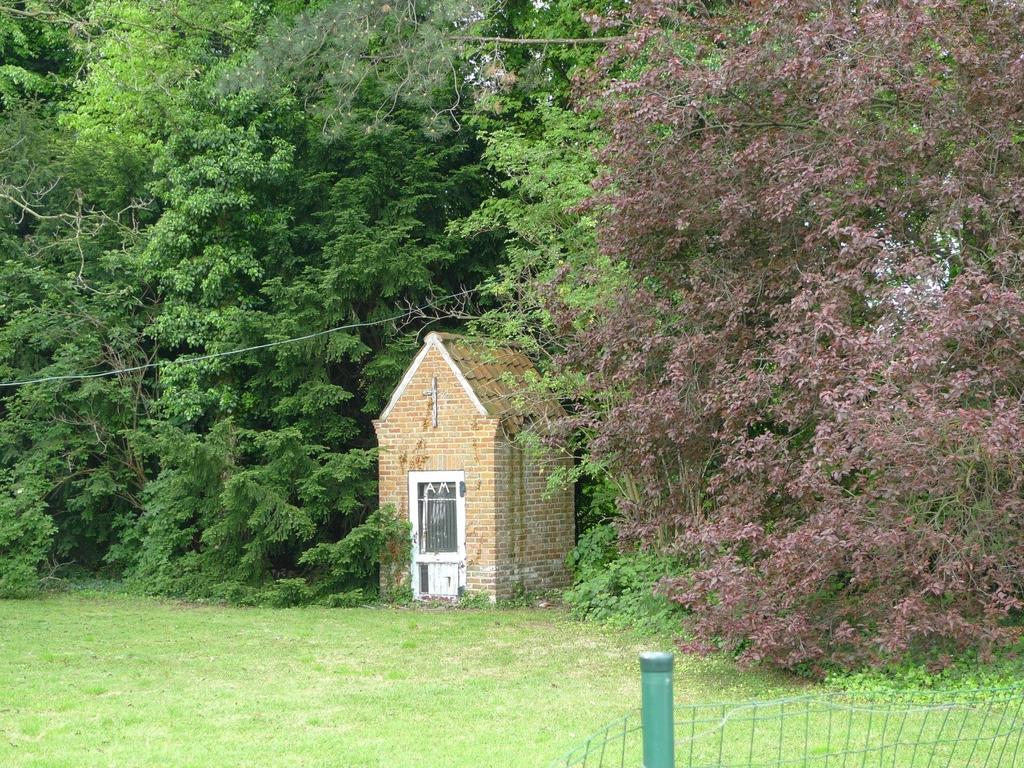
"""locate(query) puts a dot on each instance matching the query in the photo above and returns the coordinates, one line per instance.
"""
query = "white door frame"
(450, 476)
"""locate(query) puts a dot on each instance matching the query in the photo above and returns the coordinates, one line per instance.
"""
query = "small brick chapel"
(483, 518)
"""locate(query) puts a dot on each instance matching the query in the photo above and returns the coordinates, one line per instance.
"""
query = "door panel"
(442, 579)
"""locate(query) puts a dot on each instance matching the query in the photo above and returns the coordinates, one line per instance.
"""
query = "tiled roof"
(500, 377)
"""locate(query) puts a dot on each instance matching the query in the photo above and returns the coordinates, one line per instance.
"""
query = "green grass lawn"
(90, 680)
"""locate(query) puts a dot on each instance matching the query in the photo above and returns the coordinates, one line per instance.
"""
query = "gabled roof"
(496, 378)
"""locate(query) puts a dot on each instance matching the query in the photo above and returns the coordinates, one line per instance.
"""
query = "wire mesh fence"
(960, 729)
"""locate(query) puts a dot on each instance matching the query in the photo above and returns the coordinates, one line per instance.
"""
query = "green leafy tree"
(200, 178)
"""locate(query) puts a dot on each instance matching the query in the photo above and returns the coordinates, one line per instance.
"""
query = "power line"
(230, 352)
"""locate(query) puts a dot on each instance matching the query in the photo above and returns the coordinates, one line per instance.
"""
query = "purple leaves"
(815, 384)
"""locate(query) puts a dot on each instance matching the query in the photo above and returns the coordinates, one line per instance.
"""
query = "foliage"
(450, 60)
(25, 531)
(965, 672)
(328, 52)
(68, 301)
(213, 520)
(36, 57)
(812, 382)
(543, 149)
(596, 501)
(153, 212)
(474, 601)
(620, 588)
(284, 593)
(353, 560)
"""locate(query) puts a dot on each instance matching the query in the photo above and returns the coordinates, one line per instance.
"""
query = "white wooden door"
(437, 511)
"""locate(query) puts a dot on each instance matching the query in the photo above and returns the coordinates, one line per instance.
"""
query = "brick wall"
(514, 533)
(536, 528)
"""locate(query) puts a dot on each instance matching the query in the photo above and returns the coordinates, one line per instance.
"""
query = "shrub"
(242, 506)
(26, 531)
(474, 600)
(620, 589)
(352, 562)
(813, 382)
(964, 672)
(285, 593)
(349, 599)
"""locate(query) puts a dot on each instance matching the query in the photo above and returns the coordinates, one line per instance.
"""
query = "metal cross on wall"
(432, 394)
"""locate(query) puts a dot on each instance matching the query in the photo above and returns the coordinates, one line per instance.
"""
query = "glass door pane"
(438, 517)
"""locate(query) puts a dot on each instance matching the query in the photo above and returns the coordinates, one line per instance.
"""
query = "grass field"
(90, 680)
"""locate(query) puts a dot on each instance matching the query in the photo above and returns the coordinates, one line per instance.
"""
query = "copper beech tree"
(814, 382)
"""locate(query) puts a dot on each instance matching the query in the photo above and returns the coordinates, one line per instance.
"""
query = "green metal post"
(656, 717)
